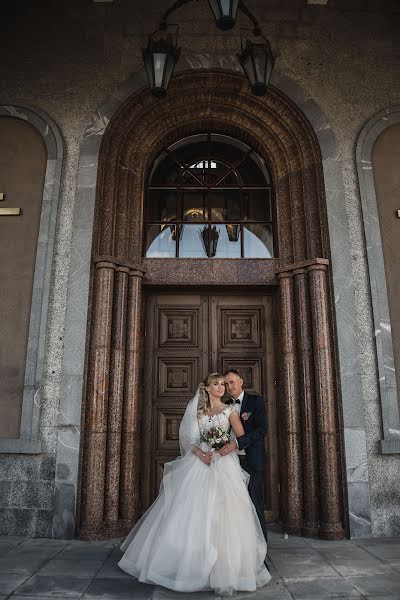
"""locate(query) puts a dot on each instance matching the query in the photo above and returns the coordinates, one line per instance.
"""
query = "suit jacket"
(255, 428)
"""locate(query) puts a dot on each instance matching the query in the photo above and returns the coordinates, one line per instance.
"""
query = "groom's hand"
(228, 448)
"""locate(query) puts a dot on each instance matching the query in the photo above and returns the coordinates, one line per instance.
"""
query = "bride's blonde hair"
(204, 400)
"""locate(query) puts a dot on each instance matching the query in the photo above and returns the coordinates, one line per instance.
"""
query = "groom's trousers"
(256, 491)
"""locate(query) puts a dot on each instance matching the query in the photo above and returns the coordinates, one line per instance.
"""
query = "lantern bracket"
(249, 15)
(173, 8)
(178, 3)
(162, 54)
(256, 32)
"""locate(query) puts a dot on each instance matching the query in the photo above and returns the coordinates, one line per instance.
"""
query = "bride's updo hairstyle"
(204, 400)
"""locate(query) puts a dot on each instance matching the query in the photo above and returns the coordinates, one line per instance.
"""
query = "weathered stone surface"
(340, 74)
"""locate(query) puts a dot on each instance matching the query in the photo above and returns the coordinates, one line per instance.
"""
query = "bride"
(202, 531)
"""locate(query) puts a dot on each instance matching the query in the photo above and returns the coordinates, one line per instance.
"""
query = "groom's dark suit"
(254, 420)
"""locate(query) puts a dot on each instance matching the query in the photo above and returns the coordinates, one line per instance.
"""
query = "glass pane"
(161, 205)
(225, 205)
(191, 154)
(167, 172)
(193, 241)
(160, 241)
(226, 241)
(257, 205)
(258, 241)
(221, 171)
(226, 177)
(251, 173)
(227, 153)
(194, 205)
(194, 176)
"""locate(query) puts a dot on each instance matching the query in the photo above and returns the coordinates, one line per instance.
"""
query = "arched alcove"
(384, 122)
(34, 263)
(309, 405)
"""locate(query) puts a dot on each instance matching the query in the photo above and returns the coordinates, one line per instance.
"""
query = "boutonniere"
(245, 416)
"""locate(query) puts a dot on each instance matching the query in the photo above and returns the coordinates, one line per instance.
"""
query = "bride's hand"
(205, 457)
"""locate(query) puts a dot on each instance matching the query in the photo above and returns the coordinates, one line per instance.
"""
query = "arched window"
(209, 195)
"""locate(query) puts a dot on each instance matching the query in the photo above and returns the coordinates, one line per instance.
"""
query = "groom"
(250, 446)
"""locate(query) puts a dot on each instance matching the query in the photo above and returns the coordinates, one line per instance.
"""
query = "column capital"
(285, 275)
(119, 264)
(300, 271)
(318, 263)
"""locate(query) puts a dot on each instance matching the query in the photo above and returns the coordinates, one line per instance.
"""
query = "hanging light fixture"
(162, 52)
(257, 61)
(224, 12)
(233, 231)
(209, 235)
(160, 57)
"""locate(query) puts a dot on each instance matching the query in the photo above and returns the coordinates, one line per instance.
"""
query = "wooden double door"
(187, 337)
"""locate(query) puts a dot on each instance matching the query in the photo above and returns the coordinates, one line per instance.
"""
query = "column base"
(105, 531)
(331, 531)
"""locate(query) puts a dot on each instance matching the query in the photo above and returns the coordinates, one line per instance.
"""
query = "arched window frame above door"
(209, 196)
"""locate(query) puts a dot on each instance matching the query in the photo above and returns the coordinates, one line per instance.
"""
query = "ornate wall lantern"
(257, 61)
(160, 57)
(162, 52)
(224, 12)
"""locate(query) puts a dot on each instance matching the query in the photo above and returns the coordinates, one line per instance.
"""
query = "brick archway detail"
(309, 402)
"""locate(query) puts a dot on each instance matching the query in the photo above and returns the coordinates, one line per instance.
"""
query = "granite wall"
(67, 59)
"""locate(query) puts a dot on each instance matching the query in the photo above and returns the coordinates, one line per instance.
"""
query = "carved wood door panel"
(188, 336)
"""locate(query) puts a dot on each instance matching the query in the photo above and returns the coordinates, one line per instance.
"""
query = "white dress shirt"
(238, 408)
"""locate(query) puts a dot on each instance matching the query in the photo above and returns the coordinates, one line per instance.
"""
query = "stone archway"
(312, 482)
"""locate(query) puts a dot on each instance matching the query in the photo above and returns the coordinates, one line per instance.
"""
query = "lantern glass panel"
(148, 63)
(259, 63)
(228, 8)
(215, 7)
(270, 65)
(249, 69)
(224, 12)
(159, 66)
(172, 59)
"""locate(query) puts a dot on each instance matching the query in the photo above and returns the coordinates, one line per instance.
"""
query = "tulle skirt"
(202, 531)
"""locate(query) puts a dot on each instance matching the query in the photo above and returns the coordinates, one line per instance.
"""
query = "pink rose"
(245, 416)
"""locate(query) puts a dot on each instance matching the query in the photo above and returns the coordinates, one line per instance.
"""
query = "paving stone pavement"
(302, 569)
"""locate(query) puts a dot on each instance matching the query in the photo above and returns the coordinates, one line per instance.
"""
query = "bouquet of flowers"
(215, 437)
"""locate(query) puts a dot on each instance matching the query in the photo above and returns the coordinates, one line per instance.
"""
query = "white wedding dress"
(202, 531)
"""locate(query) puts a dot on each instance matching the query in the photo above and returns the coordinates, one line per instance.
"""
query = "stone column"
(110, 471)
(115, 402)
(130, 451)
(292, 484)
(96, 409)
(331, 526)
(307, 405)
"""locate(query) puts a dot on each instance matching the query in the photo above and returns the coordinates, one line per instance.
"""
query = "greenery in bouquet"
(215, 437)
